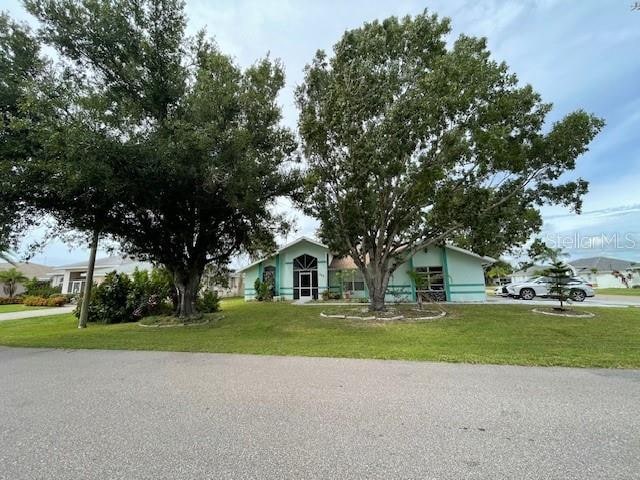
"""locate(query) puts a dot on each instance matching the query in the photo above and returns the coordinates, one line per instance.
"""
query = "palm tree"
(11, 278)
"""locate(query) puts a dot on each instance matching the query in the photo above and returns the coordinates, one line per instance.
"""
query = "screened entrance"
(305, 277)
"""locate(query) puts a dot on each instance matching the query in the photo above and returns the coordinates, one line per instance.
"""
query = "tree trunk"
(187, 285)
(378, 283)
(86, 296)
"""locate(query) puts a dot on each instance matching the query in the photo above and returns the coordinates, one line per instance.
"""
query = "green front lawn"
(500, 334)
(627, 292)
(16, 308)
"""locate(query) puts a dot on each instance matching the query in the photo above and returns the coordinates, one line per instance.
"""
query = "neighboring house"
(72, 277)
(305, 268)
(233, 287)
(605, 272)
(533, 271)
(29, 270)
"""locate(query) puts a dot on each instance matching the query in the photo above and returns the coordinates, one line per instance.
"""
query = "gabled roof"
(346, 263)
(105, 262)
(471, 254)
(342, 263)
(28, 269)
(603, 264)
(284, 247)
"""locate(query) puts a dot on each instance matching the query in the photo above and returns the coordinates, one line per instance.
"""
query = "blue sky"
(577, 54)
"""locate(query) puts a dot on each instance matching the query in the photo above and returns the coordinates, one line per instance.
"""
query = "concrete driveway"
(155, 415)
(40, 312)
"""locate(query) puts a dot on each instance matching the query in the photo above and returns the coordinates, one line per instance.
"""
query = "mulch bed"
(556, 312)
(390, 315)
(164, 322)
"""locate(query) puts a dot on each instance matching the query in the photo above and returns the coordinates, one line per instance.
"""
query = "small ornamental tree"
(420, 283)
(411, 143)
(559, 275)
(10, 278)
(499, 270)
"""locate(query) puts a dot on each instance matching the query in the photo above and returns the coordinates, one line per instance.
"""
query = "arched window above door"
(305, 262)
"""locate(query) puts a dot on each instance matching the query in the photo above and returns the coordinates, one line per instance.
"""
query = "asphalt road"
(155, 415)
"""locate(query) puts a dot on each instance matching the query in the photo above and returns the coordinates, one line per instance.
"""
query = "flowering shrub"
(10, 300)
(37, 301)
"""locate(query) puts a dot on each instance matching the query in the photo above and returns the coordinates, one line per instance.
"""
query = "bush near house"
(264, 290)
(108, 302)
(328, 295)
(122, 298)
(39, 288)
(10, 300)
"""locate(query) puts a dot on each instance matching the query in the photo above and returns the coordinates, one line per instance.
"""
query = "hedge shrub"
(37, 301)
(38, 288)
(10, 300)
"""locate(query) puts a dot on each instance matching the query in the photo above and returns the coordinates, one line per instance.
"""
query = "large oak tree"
(411, 143)
(191, 146)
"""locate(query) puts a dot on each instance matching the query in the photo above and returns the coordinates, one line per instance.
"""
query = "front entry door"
(305, 285)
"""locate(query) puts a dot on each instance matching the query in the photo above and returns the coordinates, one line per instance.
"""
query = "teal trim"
(277, 285)
(445, 267)
(398, 286)
(288, 263)
(414, 295)
(322, 261)
(469, 291)
(467, 284)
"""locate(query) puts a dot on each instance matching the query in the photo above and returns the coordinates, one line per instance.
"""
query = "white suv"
(579, 289)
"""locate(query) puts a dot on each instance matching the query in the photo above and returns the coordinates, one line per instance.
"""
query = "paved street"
(156, 415)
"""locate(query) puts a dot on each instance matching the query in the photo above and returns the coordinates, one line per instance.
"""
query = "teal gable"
(305, 269)
(299, 270)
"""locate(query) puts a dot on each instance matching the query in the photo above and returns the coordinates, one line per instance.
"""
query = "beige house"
(73, 277)
(29, 270)
(606, 272)
(233, 288)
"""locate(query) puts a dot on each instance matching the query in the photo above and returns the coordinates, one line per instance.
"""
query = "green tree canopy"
(20, 67)
(411, 143)
(185, 148)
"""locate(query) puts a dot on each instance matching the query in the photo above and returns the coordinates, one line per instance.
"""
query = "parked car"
(579, 289)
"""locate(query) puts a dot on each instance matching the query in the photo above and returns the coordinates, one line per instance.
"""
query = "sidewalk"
(36, 313)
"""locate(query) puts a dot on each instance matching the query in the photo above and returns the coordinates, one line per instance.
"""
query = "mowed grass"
(497, 334)
(626, 292)
(16, 308)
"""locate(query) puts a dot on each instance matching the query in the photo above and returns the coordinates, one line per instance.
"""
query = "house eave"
(284, 247)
